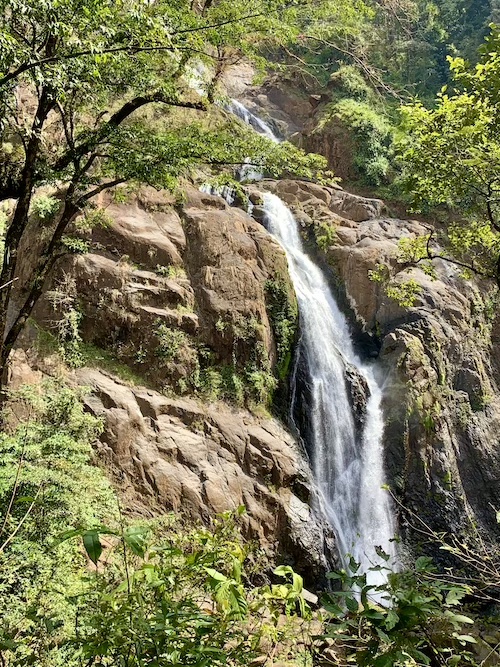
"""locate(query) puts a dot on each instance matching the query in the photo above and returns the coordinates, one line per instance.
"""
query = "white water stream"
(347, 464)
(347, 461)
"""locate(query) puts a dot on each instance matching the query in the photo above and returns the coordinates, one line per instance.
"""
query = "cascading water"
(347, 465)
(347, 460)
(240, 110)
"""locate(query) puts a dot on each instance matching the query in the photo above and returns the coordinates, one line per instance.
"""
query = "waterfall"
(347, 459)
(240, 110)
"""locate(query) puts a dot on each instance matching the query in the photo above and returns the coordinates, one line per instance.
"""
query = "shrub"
(46, 486)
(373, 136)
(412, 619)
(170, 341)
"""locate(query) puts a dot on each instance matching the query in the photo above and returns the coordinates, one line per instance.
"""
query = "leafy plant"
(325, 235)
(413, 619)
(45, 207)
(67, 328)
(170, 341)
(405, 293)
(46, 485)
(283, 315)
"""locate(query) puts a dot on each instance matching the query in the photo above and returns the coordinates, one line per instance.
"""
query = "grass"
(91, 355)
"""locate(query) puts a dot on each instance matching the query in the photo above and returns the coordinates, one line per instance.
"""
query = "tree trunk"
(18, 225)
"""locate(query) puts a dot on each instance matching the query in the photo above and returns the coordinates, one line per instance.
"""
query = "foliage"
(181, 598)
(373, 135)
(405, 293)
(90, 71)
(45, 467)
(413, 619)
(451, 156)
(171, 271)
(45, 207)
(283, 315)
(170, 341)
(413, 37)
(262, 385)
(325, 235)
(355, 106)
(64, 302)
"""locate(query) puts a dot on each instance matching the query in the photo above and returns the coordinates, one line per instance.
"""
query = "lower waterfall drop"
(347, 461)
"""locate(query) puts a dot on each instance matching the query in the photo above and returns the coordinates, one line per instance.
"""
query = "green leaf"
(135, 538)
(465, 639)
(391, 620)
(283, 571)
(458, 618)
(382, 554)
(372, 614)
(67, 535)
(214, 574)
(455, 595)
(423, 564)
(333, 608)
(383, 636)
(352, 604)
(92, 545)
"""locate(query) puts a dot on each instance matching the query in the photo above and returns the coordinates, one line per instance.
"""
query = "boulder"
(354, 207)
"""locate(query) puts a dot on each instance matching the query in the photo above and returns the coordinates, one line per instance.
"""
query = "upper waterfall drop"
(240, 110)
(347, 464)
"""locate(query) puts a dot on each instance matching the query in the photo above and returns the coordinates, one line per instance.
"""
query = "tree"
(75, 79)
(451, 157)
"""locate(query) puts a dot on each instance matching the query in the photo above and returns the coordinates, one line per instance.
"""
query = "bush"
(46, 486)
(413, 619)
(373, 136)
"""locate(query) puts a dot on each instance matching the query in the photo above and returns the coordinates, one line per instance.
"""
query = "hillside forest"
(190, 192)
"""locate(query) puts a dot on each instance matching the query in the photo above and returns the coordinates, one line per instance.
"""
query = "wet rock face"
(439, 358)
(359, 394)
(177, 454)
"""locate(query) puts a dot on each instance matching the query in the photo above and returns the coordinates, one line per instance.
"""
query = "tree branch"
(117, 119)
(26, 67)
(100, 188)
(131, 49)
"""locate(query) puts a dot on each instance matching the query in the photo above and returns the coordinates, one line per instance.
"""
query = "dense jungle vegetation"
(95, 94)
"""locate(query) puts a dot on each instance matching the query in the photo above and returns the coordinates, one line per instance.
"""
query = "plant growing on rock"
(283, 315)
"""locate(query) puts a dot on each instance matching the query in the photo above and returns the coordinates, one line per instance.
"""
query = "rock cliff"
(194, 297)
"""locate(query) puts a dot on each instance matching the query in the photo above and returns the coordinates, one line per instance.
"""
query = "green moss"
(96, 357)
(283, 315)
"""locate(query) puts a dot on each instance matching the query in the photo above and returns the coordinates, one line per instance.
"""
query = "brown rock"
(202, 460)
